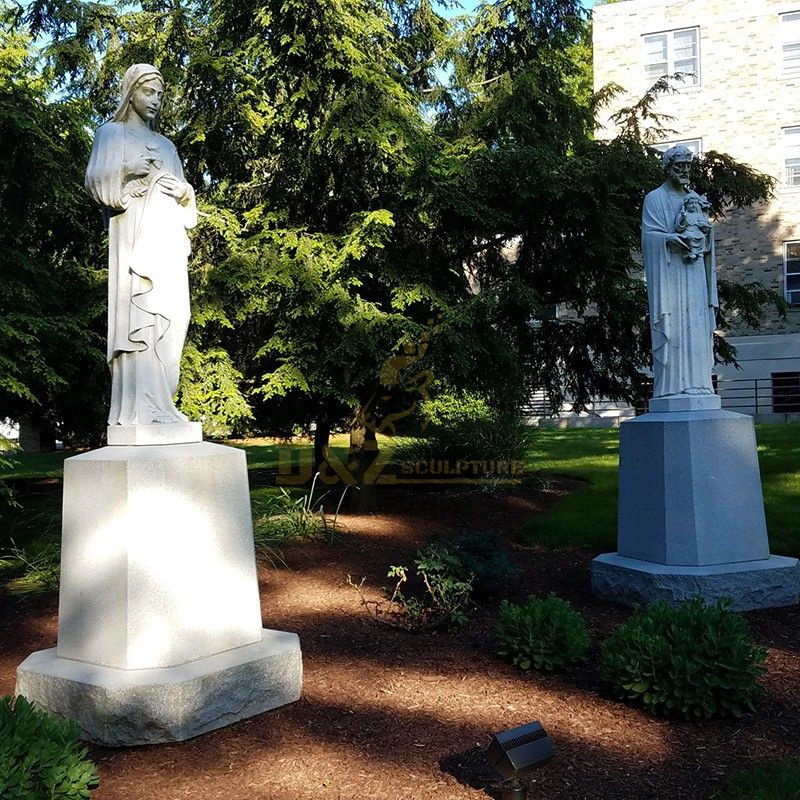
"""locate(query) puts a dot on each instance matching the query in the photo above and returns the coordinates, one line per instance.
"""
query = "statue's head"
(695, 202)
(142, 92)
(676, 163)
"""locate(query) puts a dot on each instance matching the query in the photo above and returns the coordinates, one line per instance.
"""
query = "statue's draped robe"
(682, 296)
(148, 288)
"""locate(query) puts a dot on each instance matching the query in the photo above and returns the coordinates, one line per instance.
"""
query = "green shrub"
(693, 661)
(777, 780)
(480, 559)
(40, 758)
(545, 634)
(464, 427)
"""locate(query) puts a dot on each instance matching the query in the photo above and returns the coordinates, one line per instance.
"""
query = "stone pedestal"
(174, 433)
(160, 633)
(691, 514)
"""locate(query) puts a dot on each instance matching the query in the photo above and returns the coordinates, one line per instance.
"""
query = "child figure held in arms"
(693, 224)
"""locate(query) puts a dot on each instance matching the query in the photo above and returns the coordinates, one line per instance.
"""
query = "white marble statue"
(135, 174)
(678, 252)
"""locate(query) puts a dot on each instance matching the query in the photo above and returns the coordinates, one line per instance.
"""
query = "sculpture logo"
(296, 465)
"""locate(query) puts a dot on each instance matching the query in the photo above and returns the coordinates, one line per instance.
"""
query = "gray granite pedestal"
(691, 514)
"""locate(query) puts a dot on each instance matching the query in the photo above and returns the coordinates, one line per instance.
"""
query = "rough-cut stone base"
(768, 583)
(117, 707)
(167, 433)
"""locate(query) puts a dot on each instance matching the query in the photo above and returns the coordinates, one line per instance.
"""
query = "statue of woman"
(135, 174)
(681, 290)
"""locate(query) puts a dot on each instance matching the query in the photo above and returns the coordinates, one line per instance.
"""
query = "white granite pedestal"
(160, 635)
(691, 514)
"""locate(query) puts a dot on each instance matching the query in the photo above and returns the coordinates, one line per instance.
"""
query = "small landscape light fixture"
(515, 752)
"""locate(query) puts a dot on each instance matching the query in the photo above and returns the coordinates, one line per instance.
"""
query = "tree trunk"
(322, 436)
(362, 453)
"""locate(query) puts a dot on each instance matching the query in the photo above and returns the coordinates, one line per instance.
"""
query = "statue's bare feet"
(163, 419)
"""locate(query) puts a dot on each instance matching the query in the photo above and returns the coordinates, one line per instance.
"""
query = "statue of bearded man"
(681, 288)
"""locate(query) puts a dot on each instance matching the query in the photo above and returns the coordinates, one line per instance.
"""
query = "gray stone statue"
(135, 174)
(678, 252)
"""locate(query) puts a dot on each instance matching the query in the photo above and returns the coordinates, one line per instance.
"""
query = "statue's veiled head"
(142, 90)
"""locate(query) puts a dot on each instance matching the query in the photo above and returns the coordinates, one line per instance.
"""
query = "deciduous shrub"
(545, 634)
(40, 757)
(480, 559)
(693, 661)
(776, 780)
(428, 595)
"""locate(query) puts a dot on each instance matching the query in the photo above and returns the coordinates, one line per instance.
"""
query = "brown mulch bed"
(390, 715)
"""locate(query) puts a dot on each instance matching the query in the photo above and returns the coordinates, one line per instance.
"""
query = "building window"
(695, 145)
(785, 392)
(790, 44)
(791, 156)
(673, 51)
(791, 273)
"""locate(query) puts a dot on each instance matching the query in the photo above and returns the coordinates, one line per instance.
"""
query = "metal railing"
(779, 395)
(773, 395)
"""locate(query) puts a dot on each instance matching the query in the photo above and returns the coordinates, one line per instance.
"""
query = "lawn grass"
(584, 518)
(588, 517)
(33, 465)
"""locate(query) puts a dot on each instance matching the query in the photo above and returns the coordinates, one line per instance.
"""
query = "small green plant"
(282, 517)
(545, 634)
(32, 571)
(694, 661)
(40, 757)
(776, 780)
(430, 595)
(8, 454)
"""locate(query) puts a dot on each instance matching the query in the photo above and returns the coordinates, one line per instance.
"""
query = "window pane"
(685, 44)
(791, 142)
(654, 71)
(792, 251)
(655, 48)
(793, 172)
(689, 68)
(791, 58)
(793, 282)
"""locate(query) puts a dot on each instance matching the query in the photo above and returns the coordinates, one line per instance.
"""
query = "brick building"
(742, 98)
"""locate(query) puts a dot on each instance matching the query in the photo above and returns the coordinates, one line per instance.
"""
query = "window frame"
(670, 70)
(787, 292)
(784, 40)
(787, 399)
(662, 147)
(790, 154)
